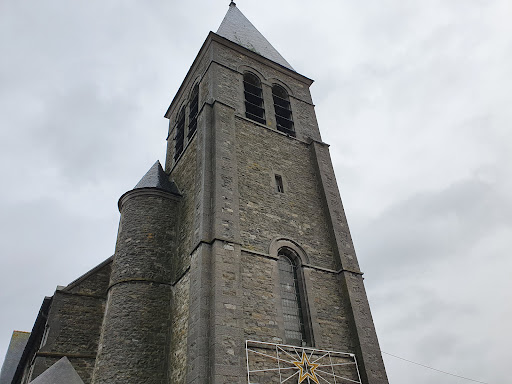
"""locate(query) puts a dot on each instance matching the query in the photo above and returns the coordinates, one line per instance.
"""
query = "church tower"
(234, 264)
(263, 258)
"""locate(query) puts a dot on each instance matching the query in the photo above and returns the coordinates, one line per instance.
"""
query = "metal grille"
(269, 363)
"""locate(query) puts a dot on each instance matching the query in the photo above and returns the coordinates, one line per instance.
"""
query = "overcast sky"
(413, 96)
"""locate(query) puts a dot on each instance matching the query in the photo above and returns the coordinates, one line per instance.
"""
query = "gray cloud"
(414, 98)
(438, 224)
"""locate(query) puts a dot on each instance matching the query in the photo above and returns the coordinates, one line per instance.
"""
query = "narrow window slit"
(279, 184)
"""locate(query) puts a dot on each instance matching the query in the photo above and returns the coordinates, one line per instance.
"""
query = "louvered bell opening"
(253, 89)
(180, 135)
(254, 108)
(192, 125)
(194, 109)
(254, 112)
(283, 111)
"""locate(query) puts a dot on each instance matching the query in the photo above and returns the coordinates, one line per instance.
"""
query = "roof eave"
(192, 68)
(212, 36)
(262, 59)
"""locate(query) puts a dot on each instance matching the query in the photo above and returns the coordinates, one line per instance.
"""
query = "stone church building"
(234, 263)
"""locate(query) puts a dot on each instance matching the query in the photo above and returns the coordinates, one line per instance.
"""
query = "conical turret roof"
(238, 29)
(157, 178)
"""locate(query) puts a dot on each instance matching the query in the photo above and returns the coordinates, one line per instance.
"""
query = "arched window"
(194, 105)
(254, 108)
(180, 133)
(283, 110)
(293, 314)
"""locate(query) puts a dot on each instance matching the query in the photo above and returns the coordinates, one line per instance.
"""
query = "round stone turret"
(135, 335)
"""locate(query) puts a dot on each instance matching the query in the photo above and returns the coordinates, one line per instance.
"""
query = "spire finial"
(232, 4)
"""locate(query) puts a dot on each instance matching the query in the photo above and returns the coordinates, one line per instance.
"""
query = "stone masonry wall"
(179, 330)
(259, 300)
(227, 173)
(74, 323)
(230, 66)
(182, 99)
(226, 68)
(234, 60)
(94, 284)
(135, 336)
(184, 175)
(333, 313)
(146, 239)
(264, 212)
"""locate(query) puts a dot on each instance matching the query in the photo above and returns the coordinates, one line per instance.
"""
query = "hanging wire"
(434, 369)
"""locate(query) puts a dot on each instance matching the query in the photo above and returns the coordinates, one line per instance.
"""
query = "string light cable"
(435, 369)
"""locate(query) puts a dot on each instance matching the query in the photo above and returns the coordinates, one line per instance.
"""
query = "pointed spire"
(157, 178)
(238, 29)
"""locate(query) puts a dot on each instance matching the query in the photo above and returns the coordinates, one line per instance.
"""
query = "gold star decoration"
(307, 369)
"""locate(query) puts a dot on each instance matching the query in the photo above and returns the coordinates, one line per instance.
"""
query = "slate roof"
(238, 29)
(62, 372)
(157, 178)
(12, 357)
